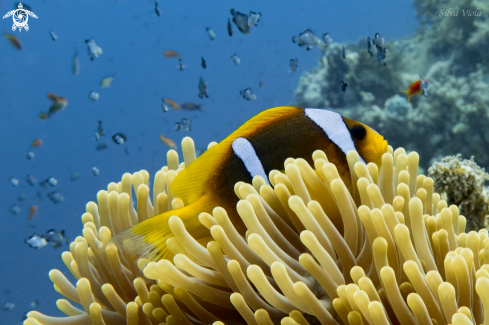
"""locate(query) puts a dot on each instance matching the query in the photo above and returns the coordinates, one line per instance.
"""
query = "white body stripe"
(335, 128)
(245, 151)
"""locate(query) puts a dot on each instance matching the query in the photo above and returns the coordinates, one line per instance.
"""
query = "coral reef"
(462, 181)
(389, 252)
(449, 51)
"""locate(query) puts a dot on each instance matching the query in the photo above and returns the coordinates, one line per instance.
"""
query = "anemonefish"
(260, 145)
(418, 87)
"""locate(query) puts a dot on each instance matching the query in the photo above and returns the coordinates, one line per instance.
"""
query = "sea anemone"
(388, 252)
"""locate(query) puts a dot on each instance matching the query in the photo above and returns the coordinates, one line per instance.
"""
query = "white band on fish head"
(335, 128)
(245, 151)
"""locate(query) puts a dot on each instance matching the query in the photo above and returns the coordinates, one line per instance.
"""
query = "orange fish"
(13, 40)
(58, 104)
(36, 143)
(168, 142)
(32, 212)
(417, 88)
(171, 54)
(173, 104)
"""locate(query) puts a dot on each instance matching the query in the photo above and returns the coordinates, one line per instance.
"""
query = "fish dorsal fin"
(190, 182)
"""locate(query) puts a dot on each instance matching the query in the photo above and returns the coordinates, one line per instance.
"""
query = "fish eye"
(358, 132)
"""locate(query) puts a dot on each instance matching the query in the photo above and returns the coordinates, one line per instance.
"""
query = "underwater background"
(133, 39)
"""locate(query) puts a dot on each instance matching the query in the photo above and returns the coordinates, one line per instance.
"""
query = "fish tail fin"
(148, 238)
(409, 95)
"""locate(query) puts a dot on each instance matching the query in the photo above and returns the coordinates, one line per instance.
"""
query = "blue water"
(133, 38)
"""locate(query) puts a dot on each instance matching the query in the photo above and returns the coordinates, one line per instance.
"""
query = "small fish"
(168, 142)
(52, 181)
(173, 104)
(57, 239)
(306, 38)
(180, 66)
(202, 63)
(32, 212)
(327, 39)
(371, 48)
(343, 85)
(93, 96)
(253, 18)
(418, 87)
(59, 103)
(43, 116)
(14, 181)
(14, 209)
(8, 306)
(75, 64)
(34, 303)
(21, 197)
(36, 241)
(343, 53)
(260, 84)
(100, 132)
(378, 40)
(14, 41)
(119, 138)
(95, 171)
(191, 107)
(106, 81)
(381, 52)
(164, 106)
(293, 64)
(185, 124)
(53, 35)
(94, 51)
(74, 176)
(248, 94)
(171, 54)
(56, 197)
(29, 155)
(211, 33)
(157, 9)
(36, 143)
(202, 89)
(230, 28)
(241, 21)
(126, 151)
(30, 179)
(101, 146)
(236, 59)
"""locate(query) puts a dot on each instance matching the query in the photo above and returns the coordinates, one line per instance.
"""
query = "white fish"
(211, 33)
(378, 40)
(248, 94)
(14, 181)
(164, 106)
(236, 59)
(202, 89)
(253, 18)
(29, 155)
(306, 38)
(94, 96)
(95, 171)
(119, 138)
(75, 64)
(36, 241)
(94, 51)
(52, 181)
(327, 39)
(53, 35)
(293, 64)
(241, 20)
(424, 85)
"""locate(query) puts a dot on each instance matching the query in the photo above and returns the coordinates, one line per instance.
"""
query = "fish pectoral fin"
(148, 238)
